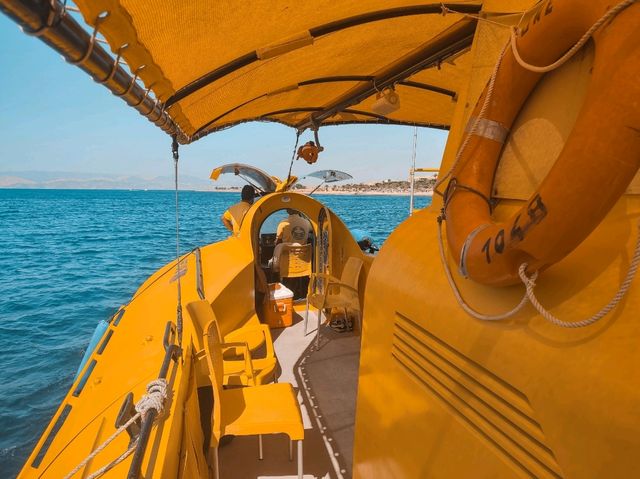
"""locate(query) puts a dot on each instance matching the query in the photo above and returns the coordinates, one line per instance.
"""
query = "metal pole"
(49, 22)
(176, 156)
(412, 171)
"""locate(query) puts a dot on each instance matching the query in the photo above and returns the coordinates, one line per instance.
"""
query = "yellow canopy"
(218, 63)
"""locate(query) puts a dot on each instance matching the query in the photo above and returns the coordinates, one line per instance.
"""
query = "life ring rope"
(612, 12)
(456, 292)
(476, 123)
(529, 295)
(530, 284)
(528, 281)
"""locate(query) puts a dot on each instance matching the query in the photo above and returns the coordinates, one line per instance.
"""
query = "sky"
(54, 117)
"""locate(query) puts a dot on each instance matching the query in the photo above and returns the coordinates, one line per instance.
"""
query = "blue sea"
(69, 258)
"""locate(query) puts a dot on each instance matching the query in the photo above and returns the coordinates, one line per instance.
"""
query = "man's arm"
(226, 222)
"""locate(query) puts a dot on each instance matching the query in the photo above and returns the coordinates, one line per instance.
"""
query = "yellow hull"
(132, 352)
(442, 394)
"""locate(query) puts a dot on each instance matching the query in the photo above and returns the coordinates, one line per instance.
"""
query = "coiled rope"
(154, 399)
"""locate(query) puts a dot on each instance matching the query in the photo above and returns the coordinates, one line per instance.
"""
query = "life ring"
(598, 161)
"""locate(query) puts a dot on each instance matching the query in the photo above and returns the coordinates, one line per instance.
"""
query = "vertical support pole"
(260, 451)
(412, 171)
(176, 156)
(290, 449)
(293, 157)
(216, 463)
(300, 463)
(318, 330)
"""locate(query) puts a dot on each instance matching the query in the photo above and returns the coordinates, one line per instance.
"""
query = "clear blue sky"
(53, 117)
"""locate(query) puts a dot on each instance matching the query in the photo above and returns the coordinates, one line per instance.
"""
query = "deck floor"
(326, 384)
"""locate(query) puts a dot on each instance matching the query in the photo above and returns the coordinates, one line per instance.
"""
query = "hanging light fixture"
(387, 101)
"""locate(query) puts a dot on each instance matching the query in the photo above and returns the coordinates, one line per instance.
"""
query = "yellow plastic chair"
(249, 333)
(336, 293)
(252, 411)
(295, 261)
(247, 371)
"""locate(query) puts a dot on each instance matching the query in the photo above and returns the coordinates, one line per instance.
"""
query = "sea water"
(69, 258)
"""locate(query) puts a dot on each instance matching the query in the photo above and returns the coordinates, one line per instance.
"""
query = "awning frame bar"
(49, 22)
(456, 38)
(381, 121)
(341, 78)
(316, 32)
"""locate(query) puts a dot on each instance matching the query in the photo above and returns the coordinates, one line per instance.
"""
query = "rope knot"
(154, 399)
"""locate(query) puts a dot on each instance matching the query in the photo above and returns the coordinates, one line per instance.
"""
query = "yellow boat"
(504, 357)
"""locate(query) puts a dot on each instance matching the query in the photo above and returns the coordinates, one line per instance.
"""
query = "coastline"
(237, 190)
(366, 193)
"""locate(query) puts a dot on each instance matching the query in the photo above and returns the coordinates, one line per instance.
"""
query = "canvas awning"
(300, 63)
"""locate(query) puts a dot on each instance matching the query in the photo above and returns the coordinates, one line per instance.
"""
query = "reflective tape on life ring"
(489, 129)
(462, 267)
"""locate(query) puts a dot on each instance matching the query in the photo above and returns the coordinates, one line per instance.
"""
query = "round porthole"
(286, 199)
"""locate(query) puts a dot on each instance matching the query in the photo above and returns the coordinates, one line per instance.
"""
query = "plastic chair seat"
(246, 334)
(235, 375)
(261, 410)
(318, 300)
(240, 368)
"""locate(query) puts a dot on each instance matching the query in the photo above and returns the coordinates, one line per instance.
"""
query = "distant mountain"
(86, 181)
(68, 180)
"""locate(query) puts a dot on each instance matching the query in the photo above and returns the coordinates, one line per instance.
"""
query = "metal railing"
(172, 353)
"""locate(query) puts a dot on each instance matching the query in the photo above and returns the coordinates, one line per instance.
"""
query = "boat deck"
(326, 382)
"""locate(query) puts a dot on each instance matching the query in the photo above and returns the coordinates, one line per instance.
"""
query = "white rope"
(456, 292)
(476, 122)
(154, 399)
(114, 463)
(562, 60)
(624, 287)
(605, 18)
(529, 282)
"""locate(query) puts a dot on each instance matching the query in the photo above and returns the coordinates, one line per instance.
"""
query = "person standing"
(293, 229)
(232, 218)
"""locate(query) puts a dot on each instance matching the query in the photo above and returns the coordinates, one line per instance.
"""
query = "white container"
(278, 310)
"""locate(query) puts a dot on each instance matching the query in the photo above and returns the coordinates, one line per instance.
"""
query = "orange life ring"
(598, 161)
